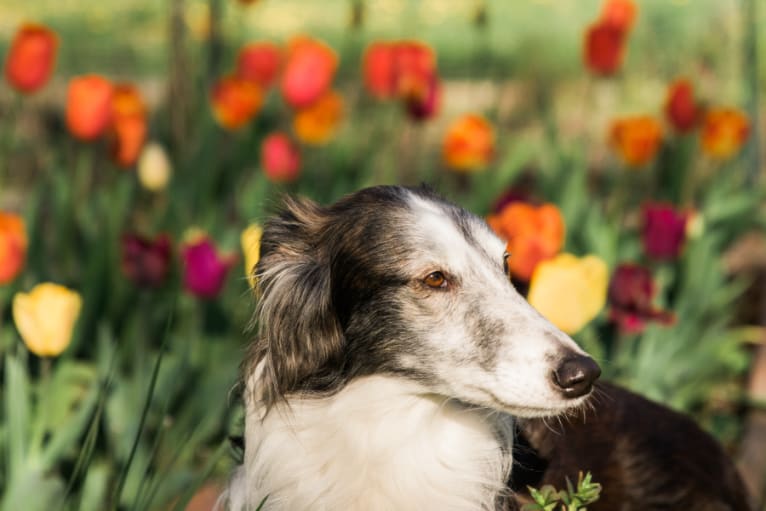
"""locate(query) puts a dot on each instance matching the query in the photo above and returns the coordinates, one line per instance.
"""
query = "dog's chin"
(540, 409)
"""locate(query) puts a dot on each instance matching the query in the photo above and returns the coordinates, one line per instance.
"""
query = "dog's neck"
(378, 444)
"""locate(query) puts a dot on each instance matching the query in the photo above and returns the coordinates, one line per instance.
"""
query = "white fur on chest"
(376, 445)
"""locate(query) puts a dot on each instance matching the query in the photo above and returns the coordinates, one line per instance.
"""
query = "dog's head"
(398, 281)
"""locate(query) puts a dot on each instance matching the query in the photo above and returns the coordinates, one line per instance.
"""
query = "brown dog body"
(645, 456)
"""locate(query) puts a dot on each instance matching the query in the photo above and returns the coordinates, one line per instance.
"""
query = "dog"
(391, 354)
(395, 366)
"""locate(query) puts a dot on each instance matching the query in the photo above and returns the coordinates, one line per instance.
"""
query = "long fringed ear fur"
(299, 339)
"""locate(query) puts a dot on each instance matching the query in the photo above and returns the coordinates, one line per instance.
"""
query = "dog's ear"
(299, 339)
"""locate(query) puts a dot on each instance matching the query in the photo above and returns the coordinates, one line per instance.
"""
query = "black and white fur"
(392, 353)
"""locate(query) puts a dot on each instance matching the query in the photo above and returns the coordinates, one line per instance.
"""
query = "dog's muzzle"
(575, 376)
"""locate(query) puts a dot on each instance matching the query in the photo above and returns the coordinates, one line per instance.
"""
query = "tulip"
(89, 106)
(631, 292)
(259, 63)
(414, 70)
(13, 246)
(31, 58)
(317, 123)
(129, 124)
(308, 71)
(250, 239)
(45, 318)
(724, 132)
(379, 69)
(637, 139)
(421, 108)
(469, 143)
(663, 231)
(154, 168)
(681, 109)
(604, 48)
(569, 291)
(235, 102)
(205, 269)
(145, 261)
(280, 158)
(620, 14)
(533, 234)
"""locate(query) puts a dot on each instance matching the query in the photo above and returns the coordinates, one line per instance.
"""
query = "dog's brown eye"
(506, 255)
(435, 280)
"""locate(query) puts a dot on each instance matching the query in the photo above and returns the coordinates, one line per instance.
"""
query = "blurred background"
(616, 145)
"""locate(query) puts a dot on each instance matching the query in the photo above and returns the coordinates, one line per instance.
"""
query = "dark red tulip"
(421, 108)
(146, 261)
(663, 231)
(631, 293)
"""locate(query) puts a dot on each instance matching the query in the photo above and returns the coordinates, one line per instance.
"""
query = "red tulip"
(280, 158)
(308, 72)
(664, 231)
(415, 73)
(205, 269)
(681, 109)
(259, 63)
(379, 69)
(89, 106)
(145, 261)
(235, 101)
(604, 48)
(31, 57)
(631, 292)
(129, 124)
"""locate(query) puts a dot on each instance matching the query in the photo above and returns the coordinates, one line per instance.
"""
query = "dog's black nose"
(575, 375)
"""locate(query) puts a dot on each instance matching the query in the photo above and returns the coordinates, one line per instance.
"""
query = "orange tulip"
(235, 101)
(308, 72)
(469, 143)
(415, 70)
(724, 131)
(13, 246)
(31, 57)
(89, 106)
(681, 109)
(259, 63)
(129, 124)
(637, 139)
(620, 14)
(318, 123)
(533, 233)
(604, 48)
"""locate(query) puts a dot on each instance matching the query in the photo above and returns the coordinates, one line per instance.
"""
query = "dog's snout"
(575, 376)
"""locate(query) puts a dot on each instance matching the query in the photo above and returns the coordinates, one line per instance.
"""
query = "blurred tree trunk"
(179, 82)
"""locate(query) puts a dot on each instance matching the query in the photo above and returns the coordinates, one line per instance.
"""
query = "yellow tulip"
(154, 168)
(569, 291)
(250, 240)
(45, 318)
